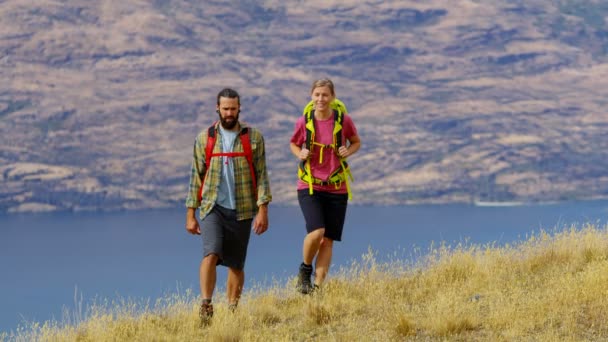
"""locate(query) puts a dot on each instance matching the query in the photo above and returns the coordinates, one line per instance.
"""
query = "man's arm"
(197, 171)
(192, 225)
(260, 223)
(263, 184)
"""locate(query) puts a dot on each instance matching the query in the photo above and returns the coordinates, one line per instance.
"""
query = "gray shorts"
(226, 237)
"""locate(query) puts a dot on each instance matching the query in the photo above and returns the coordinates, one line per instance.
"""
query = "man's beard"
(229, 124)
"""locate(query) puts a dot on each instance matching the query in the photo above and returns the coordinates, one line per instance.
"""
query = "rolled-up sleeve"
(196, 173)
(263, 183)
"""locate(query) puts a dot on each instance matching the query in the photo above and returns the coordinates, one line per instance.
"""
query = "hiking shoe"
(205, 313)
(304, 286)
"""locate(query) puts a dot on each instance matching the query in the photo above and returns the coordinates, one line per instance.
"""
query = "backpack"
(247, 153)
(343, 173)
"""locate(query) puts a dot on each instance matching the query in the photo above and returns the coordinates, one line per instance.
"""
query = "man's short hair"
(229, 93)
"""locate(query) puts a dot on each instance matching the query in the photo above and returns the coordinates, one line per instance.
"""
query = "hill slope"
(550, 287)
(454, 100)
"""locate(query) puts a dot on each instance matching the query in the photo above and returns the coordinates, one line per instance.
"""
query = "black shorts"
(226, 237)
(324, 210)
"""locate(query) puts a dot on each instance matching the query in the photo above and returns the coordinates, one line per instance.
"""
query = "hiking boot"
(304, 285)
(205, 313)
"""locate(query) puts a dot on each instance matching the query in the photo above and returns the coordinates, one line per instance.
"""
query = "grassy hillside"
(550, 287)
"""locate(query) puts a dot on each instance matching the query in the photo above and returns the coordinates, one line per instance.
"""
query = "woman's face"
(322, 97)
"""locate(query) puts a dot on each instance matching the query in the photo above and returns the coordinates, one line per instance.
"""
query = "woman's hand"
(343, 152)
(353, 147)
(304, 154)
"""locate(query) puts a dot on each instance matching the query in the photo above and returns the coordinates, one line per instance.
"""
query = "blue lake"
(46, 258)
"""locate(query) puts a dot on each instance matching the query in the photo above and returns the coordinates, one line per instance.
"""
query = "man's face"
(229, 112)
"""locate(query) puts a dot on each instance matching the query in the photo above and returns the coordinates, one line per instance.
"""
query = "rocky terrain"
(455, 100)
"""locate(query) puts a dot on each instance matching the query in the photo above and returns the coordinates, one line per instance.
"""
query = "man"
(232, 193)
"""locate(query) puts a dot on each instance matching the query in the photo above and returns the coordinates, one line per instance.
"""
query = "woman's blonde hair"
(323, 82)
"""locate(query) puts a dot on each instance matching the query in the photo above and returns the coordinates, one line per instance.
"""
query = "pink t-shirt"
(323, 135)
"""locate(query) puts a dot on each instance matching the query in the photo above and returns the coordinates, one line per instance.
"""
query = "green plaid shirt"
(246, 206)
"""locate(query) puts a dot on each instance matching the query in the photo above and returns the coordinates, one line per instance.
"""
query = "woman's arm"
(353, 146)
(299, 152)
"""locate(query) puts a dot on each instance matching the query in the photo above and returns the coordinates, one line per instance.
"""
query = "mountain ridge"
(455, 101)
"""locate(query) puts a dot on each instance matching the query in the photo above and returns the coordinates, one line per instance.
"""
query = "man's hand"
(260, 223)
(192, 223)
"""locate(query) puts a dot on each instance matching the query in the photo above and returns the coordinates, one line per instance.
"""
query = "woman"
(322, 187)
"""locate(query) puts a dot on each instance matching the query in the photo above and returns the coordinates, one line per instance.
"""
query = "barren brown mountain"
(455, 100)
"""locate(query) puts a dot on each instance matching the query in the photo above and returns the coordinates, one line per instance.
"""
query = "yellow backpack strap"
(347, 175)
(338, 119)
(310, 107)
(339, 105)
(309, 113)
(309, 177)
(339, 112)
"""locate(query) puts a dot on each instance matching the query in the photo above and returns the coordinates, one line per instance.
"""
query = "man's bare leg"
(208, 275)
(234, 286)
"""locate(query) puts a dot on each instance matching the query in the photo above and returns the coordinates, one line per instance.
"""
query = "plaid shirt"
(246, 206)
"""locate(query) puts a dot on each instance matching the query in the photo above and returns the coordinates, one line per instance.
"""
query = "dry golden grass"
(550, 287)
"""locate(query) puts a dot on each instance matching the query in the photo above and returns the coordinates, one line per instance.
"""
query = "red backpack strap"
(246, 142)
(208, 154)
(247, 153)
(209, 147)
